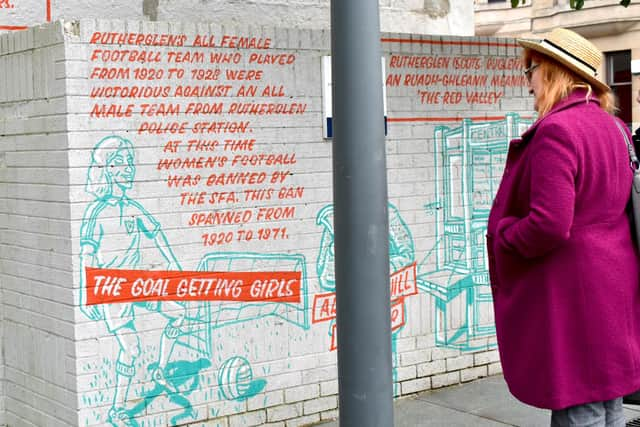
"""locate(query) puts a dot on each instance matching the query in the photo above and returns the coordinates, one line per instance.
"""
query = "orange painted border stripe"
(449, 42)
(13, 27)
(442, 119)
(48, 10)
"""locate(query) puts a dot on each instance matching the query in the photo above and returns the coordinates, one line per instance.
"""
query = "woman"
(112, 235)
(636, 135)
(564, 268)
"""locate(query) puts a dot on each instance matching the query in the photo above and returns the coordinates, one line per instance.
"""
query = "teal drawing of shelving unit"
(469, 160)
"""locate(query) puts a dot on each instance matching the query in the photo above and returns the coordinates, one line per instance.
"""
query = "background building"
(440, 17)
(613, 28)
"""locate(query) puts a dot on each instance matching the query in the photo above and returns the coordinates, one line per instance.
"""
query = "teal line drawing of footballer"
(401, 254)
(111, 236)
(182, 376)
(401, 250)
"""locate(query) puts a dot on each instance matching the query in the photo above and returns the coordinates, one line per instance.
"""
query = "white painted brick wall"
(408, 373)
(266, 400)
(329, 415)
(442, 380)
(3, 392)
(320, 405)
(3, 230)
(494, 368)
(247, 419)
(303, 421)
(329, 388)
(431, 368)
(459, 363)
(297, 394)
(67, 376)
(486, 358)
(35, 258)
(471, 374)
(284, 412)
(417, 385)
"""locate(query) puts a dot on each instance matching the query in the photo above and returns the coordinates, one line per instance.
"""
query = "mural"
(182, 378)
(402, 281)
(116, 236)
(218, 120)
(185, 339)
(469, 162)
(110, 176)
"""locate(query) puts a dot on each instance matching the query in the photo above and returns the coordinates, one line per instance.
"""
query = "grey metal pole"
(361, 222)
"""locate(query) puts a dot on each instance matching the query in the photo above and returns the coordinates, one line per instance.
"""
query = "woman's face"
(534, 77)
(122, 169)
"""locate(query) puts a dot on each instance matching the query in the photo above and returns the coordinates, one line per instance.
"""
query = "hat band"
(571, 55)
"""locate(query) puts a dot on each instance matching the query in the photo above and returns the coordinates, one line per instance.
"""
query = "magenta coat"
(564, 270)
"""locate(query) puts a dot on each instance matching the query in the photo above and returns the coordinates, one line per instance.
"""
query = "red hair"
(559, 82)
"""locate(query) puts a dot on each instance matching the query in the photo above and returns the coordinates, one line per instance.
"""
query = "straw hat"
(571, 50)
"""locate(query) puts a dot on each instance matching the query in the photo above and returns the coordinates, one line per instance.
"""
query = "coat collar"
(578, 96)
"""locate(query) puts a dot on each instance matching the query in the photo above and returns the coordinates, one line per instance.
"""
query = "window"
(619, 79)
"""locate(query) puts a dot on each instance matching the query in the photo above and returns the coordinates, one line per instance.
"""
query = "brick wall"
(209, 156)
(36, 277)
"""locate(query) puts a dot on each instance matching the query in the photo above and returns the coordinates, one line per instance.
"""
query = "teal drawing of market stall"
(469, 160)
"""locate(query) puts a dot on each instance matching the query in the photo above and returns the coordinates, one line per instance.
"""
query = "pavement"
(481, 403)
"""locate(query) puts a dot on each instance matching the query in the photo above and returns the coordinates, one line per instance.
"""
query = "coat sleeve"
(553, 166)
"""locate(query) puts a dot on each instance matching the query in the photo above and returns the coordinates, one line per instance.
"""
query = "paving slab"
(412, 412)
(486, 402)
(488, 398)
(415, 412)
